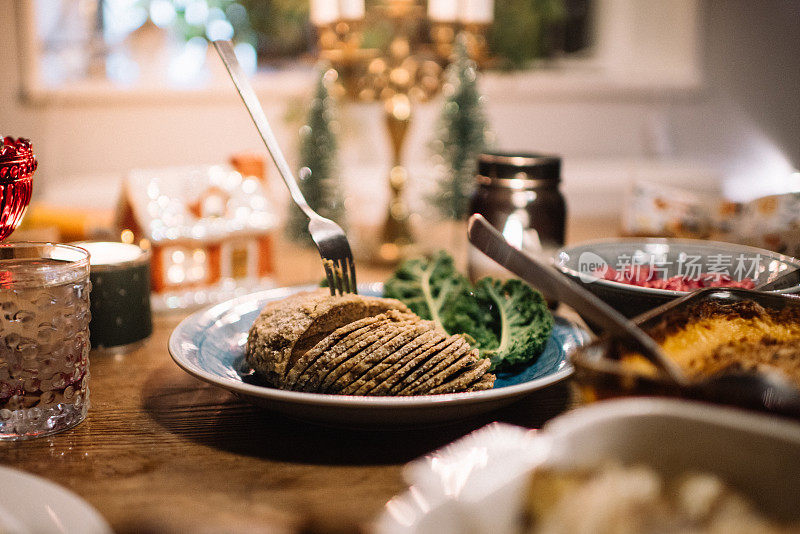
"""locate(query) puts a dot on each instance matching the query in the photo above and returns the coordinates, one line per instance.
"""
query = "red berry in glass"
(17, 166)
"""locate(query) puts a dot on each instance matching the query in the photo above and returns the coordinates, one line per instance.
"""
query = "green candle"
(120, 301)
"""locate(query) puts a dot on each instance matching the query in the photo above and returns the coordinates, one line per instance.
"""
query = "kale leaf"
(431, 286)
(507, 322)
(520, 318)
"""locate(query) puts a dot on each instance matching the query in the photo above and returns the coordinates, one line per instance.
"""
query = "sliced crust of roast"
(435, 362)
(483, 383)
(333, 368)
(395, 376)
(348, 346)
(387, 369)
(350, 331)
(413, 369)
(369, 379)
(373, 337)
(354, 328)
(353, 370)
(288, 328)
(464, 378)
(441, 370)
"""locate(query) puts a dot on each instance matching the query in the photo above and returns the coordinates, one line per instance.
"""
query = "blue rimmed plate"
(210, 345)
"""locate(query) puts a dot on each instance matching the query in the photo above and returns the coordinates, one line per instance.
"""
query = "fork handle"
(228, 56)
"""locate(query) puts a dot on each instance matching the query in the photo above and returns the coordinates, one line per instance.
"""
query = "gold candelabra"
(408, 68)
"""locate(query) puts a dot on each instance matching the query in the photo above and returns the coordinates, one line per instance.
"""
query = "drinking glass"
(44, 338)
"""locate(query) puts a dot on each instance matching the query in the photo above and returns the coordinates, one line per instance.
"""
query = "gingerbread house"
(208, 226)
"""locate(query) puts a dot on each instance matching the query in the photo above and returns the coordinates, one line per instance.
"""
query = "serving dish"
(477, 483)
(210, 345)
(670, 257)
(31, 505)
(599, 373)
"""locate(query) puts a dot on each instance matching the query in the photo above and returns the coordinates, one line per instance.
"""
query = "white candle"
(351, 9)
(443, 10)
(111, 253)
(476, 11)
(324, 12)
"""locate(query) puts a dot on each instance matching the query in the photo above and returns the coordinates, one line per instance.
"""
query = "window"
(240, 258)
(239, 262)
(96, 48)
(185, 266)
(117, 40)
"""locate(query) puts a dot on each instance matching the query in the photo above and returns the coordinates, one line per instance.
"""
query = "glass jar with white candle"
(121, 314)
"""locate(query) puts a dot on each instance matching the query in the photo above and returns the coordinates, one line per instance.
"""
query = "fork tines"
(348, 270)
(341, 275)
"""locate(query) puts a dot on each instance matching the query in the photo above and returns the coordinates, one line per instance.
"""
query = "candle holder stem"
(396, 234)
(407, 65)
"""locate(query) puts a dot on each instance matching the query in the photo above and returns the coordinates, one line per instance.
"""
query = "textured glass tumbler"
(44, 338)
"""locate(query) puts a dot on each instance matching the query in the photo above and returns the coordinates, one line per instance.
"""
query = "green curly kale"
(519, 316)
(507, 322)
(430, 286)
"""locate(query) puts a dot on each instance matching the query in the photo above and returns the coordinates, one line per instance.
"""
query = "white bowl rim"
(664, 241)
(596, 414)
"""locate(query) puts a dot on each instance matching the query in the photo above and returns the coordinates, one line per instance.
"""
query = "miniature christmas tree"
(461, 136)
(322, 188)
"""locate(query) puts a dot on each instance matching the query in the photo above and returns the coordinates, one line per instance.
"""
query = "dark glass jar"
(519, 195)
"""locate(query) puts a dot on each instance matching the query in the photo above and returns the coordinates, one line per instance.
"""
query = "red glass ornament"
(17, 166)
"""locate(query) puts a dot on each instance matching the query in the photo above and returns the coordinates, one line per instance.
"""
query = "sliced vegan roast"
(359, 345)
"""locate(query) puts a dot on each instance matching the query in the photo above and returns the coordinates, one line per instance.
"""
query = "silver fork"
(337, 258)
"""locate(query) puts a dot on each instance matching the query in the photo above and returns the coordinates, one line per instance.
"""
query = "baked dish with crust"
(712, 337)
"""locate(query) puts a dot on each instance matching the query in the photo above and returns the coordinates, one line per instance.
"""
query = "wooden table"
(163, 452)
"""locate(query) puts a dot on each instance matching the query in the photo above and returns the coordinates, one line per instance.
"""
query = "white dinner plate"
(210, 345)
(32, 505)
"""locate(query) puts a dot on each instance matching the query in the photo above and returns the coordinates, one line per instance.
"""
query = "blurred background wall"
(748, 121)
(733, 128)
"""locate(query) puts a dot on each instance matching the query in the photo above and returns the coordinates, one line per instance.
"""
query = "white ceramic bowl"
(477, 484)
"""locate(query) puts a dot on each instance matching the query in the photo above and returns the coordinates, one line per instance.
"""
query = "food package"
(770, 222)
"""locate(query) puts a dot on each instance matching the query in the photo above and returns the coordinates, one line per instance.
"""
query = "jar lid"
(499, 167)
